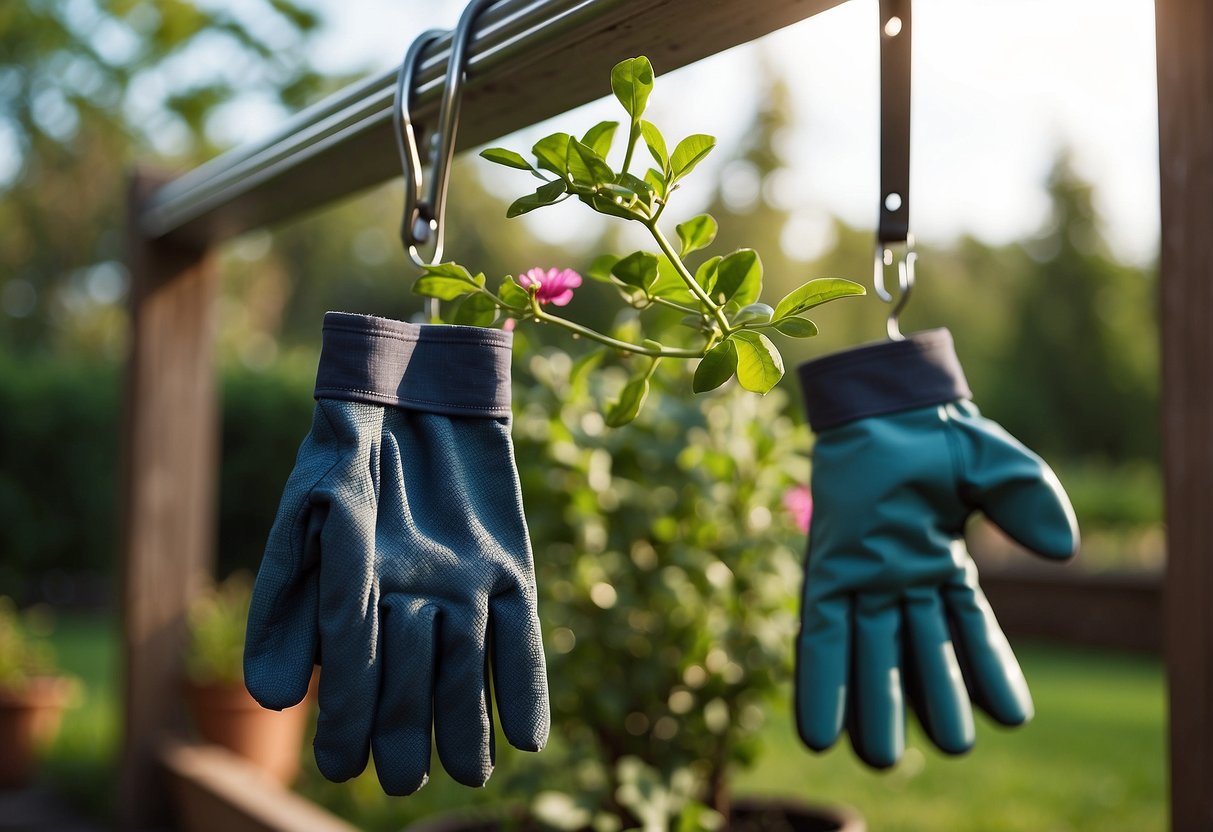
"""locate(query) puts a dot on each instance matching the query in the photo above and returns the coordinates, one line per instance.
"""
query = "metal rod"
(345, 143)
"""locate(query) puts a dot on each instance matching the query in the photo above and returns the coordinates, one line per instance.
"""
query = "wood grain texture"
(216, 790)
(567, 66)
(168, 465)
(1185, 108)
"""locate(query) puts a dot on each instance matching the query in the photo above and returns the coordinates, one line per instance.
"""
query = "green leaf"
(670, 285)
(607, 205)
(739, 278)
(631, 399)
(754, 313)
(696, 233)
(450, 269)
(716, 368)
(632, 82)
(689, 153)
(759, 364)
(583, 365)
(513, 295)
(548, 194)
(475, 310)
(551, 152)
(814, 293)
(600, 269)
(638, 269)
(705, 275)
(656, 144)
(655, 179)
(585, 167)
(599, 137)
(509, 158)
(443, 288)
(796, 327)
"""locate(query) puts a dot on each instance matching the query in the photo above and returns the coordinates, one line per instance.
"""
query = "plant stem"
(633, 135)
(614, 343)
(678, 306)
(688, 278)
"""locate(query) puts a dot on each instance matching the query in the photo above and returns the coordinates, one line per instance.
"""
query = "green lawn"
(1093, 759)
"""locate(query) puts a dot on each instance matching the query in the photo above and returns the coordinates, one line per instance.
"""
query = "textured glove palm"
(400, 560)
(892, 610)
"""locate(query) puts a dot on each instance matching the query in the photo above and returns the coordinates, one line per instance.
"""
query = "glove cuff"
(454, 370)
(880, 378)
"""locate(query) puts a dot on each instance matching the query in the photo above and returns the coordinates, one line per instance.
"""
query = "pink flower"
(799, 504)
(508, 324)
(555, 285)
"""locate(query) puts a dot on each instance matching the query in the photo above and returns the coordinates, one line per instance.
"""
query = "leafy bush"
(25, 650)
(216, 627)
(668, 575)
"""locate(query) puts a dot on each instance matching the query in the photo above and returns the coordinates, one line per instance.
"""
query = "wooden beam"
(1185, 119)
(169, 458)
(345, 143)
(215, 789)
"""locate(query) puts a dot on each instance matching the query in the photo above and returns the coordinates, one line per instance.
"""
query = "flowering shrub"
(668, 575)
(724, 321)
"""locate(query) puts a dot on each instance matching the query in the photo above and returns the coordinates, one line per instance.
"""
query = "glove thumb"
(1015, 488)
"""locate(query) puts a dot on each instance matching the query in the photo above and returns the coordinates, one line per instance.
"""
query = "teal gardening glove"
(892, 611)
(400, 560)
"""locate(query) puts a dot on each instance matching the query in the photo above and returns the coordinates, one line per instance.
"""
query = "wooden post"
(169, 477)
(1185, 119)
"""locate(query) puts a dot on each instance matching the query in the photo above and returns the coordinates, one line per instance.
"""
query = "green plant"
(216, 624)
(723, 322)
(25, 649)
(668, 574)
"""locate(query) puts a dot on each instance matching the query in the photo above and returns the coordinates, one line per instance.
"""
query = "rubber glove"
(892, 613)
(400, 559)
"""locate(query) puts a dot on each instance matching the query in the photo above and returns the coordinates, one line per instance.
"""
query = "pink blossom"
(555, 285)
(508, 324)
(799, 504)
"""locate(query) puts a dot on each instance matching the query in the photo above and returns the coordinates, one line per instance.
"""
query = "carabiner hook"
(422, 220)
(905, 282)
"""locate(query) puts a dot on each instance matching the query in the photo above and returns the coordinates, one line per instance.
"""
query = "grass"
(1093, 759)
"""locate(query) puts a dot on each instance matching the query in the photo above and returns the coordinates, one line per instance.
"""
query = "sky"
(1000, 86)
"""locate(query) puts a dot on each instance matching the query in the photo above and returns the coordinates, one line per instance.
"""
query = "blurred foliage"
(25, 646)
(667, 574)
(89, 87)
(217, 620)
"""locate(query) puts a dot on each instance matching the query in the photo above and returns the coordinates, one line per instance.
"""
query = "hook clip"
(905, 282)
(423, 209)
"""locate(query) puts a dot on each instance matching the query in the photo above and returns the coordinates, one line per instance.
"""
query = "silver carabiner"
(905, 281)
(423, 213)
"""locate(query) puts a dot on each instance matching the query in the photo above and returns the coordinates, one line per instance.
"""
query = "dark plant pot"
(29, 721)
(225, 714)
(752, 814)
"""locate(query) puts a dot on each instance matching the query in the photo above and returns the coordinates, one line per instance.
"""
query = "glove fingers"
(401, 741)
(822, 666)
(280, 638)
(991, 670)
(942, 702)
(350, 648)
(878, 723)
(463, 727)
(519, 672)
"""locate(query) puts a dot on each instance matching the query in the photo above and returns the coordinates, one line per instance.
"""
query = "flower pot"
(225, 714)
(29, 720)
(752, 814)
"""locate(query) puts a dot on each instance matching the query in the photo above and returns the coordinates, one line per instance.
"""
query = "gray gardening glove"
(400, 559)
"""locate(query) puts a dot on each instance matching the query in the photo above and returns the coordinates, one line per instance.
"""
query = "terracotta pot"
(29, 721)
(225, 714)
(752, 814)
